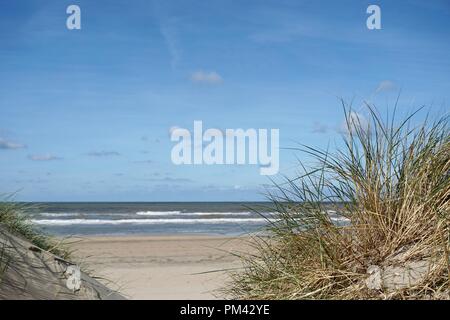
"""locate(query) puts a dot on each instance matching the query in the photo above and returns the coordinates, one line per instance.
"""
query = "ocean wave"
(68, 222)
(182, 213)
(157, 213)
(60, 214)
(82, 214)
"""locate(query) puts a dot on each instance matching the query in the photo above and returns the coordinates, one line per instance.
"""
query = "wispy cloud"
(386, 85)
(103, 154)
(167, 23)
(43, 157)
(210, 77)
(320, 128)
(147, 139)
(9, 145)
(355, 120)
(31, 181)
(169, 33)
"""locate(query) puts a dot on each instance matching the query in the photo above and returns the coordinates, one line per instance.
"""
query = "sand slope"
(31, 273)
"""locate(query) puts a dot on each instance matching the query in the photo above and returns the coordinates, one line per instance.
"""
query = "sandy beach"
(162, 267)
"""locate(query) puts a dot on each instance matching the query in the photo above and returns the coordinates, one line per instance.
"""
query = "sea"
(152, 218)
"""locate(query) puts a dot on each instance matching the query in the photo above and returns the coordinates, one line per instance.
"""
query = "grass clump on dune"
(34, 265)
(14, 220)
(387, 236)
(4, 260)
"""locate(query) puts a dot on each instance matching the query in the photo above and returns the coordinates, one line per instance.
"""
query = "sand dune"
(33, 273)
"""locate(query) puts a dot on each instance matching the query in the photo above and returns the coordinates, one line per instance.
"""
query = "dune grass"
(4, 259)
(13, 219)
(389, 188)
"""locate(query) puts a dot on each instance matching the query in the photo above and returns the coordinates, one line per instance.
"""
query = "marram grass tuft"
(369, 221)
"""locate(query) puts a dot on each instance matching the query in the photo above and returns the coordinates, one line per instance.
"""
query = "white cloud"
(211, 77)
(354, 120)
(9, 145)
(386, 85)
(43, 157)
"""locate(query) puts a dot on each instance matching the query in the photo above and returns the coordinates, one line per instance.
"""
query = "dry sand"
(163, 267)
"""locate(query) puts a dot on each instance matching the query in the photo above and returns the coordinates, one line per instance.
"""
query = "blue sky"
(85, 114)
